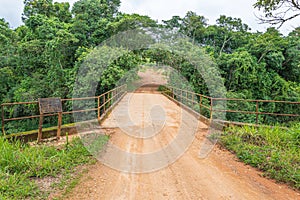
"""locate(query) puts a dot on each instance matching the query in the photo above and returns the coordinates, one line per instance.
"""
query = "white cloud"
(11, 11)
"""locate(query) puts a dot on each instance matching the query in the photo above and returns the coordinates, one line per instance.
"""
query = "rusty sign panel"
(50, 105)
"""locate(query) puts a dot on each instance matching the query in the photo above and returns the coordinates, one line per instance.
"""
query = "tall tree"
(268, 48)
(194, 25)
(92, 16)
(8, 59)
(277, 12)
(34, 7)
(291, 66)
(7, 44)
(174, 22)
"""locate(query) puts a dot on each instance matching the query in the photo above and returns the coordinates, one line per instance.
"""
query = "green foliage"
(125, 22)
(273, 150)
(8, 80)
(35, 7)
(291, 67)
(42, 57)
(20, 164)
(91, 19)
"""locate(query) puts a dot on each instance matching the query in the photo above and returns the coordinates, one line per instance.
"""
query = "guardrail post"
(200, 104)
(186, 98)
(3, 123)
(59, 125)
(112, 98)
(104, 102)
(193, 97)
(117, 94)
(40, 128)
(181, 95)
(211, 109)
(98, 107)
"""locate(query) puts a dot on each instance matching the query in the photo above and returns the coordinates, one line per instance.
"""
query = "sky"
(159, 10)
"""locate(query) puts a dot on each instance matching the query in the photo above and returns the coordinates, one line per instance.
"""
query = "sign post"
(50, 106)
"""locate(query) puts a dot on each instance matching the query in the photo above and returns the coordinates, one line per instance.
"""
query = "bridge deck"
(149, 133)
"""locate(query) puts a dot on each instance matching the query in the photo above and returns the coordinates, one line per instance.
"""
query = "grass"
(36, 131)
(20, 164)
(275, 151)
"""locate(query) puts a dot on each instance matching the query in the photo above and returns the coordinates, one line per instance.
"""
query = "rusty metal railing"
(104, 103)
(191, 99)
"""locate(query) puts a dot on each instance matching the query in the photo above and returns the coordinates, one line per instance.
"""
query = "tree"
(242, 73)
(34, 7)
(232, 24)
(8, 81)
(8, 40)
(91, 19)
(125, 22)
(268, 47)
(277, 12)
(194, 25)
(96, 9)
(291, 66)
(228, 35)
(174, 22)
(62, 11)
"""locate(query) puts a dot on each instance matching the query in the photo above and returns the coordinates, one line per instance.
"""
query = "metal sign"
(50, 105)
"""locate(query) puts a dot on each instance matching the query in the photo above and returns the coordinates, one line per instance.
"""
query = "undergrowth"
(275, 151)
(20, 164)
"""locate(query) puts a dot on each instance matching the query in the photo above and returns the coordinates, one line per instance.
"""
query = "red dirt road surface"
(149, 123)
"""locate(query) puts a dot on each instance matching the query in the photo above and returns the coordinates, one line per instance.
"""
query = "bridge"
(155, 141)
(201, 106)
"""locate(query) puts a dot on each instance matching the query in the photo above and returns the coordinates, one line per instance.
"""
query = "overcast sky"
(159, 10)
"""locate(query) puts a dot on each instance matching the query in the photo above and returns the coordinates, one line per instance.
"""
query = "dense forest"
(41, 58)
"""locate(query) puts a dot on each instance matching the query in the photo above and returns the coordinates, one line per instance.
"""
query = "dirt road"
(153, 123)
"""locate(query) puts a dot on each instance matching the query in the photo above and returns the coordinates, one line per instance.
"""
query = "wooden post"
(200, 104)
(186, 99)
(111, 98)
(116, 95)
(256, 112)
(174, 93)
(172, 89)
(104, 102)
(40, 128)
(98, 107)
(59, 125)
(193, 99)
(3, 129)
(46, 106)
(181, 95)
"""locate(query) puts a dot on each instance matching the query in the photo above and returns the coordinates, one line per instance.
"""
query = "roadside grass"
(20, 164)
(275, 151)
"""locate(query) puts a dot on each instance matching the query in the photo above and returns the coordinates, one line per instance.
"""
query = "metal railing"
(103, 105)
(198, 102)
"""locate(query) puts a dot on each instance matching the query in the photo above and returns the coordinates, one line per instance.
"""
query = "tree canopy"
(41, 58)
